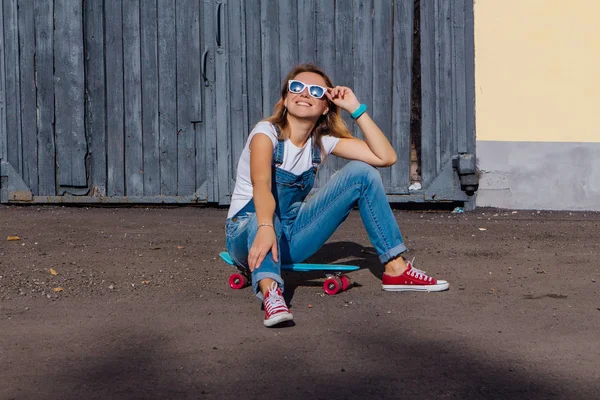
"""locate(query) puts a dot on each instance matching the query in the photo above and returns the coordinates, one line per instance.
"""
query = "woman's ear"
(326, 111)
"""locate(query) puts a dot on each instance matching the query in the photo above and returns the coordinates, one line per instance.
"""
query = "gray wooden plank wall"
(329, 34)
(115, 139)
(26, 28)
(186, 175)
(271, 76)
(11, 82)
(3, 149)
(401, 94)
(167, 95)
(238, 98)
(326, 59)
(307, 32)
(121, 113)
(44, 65)
(132, 76)
(209, 125)
(343, 72)
(383, 37)
(150, 95)
(69, 86)
(447, 86)
(469, 57)
(224, 156)
(429, 119)
(171, 88)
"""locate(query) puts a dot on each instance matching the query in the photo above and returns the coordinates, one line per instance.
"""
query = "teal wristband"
(359, 111)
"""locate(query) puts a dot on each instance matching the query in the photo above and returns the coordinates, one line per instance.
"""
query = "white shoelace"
(274, 302)
(417, 273)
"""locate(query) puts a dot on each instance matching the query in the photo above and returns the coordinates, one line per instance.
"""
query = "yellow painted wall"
(537, 70)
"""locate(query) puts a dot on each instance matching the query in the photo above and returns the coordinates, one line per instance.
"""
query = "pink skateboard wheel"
(237, 281)
(332, 286)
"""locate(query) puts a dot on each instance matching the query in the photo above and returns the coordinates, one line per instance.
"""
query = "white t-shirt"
(295, 160)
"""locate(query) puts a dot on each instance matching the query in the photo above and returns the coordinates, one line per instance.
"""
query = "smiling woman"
(270, 223)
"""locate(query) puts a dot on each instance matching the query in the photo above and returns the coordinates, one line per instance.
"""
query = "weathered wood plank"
(3, 152)
(446, 83)
(44, 63)
(115, 135)
(344, 57)
(186, 138)
(459, 92)
(222, 97)
(96, 98)
(382, 77)
(13, 94)
(209, 121)
(326, 52)
(150, 79)
(253, 63)
(401, 92)
(307, 32)
(134, 158)
(71, 146)
(237, 83)
(428, 93)
(288, 35)
(363, 56)
(200, 161)
(193, 62)
(272, 75)
(28, 93)
(469, 55)
(167, 103)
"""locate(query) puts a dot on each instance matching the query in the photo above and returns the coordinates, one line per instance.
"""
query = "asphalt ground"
(133, 303)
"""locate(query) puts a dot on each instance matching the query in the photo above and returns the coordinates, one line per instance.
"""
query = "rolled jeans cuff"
(392, 253)
(259, 276)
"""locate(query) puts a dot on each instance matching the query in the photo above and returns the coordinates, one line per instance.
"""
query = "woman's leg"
(241, 231)
(356, 184)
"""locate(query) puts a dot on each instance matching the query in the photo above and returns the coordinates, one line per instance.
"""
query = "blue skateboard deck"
(303, 267)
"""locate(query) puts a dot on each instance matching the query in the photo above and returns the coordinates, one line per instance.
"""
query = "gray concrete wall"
(539, 175)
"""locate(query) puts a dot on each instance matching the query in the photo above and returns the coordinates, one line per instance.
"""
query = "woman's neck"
(300, 130)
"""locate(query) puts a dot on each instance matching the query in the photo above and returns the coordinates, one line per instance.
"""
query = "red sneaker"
(412, 280)
(276, 311)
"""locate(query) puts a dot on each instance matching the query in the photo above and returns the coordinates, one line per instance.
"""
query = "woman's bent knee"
(363, 170)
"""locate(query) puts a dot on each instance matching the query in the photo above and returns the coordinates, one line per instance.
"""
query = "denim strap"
(278, 152)
(316, 155)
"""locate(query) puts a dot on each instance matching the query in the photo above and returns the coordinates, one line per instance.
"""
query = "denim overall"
(302, 227)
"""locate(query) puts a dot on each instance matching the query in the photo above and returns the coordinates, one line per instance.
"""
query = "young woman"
(269, 223)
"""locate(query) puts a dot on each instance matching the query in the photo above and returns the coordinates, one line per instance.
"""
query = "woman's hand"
(264, 241)
(343, 97)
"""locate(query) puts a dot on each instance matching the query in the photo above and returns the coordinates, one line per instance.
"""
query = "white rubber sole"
(278, 318)
(441, 286)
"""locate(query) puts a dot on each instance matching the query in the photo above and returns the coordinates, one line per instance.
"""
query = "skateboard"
(335, 282)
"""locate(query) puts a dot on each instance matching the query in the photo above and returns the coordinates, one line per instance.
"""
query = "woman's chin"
(304, 113)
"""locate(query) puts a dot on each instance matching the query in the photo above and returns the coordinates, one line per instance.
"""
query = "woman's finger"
(259, 260)
(274, 252)
(251, 259)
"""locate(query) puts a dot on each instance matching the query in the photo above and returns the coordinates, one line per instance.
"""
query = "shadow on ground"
(362, 366)
(349, 253)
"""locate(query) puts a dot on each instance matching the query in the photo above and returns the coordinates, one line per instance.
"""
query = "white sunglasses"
(315, 91)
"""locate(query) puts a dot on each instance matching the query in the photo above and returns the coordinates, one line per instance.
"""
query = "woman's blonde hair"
(328, 124)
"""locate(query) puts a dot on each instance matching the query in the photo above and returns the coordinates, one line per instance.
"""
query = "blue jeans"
(312, 222)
